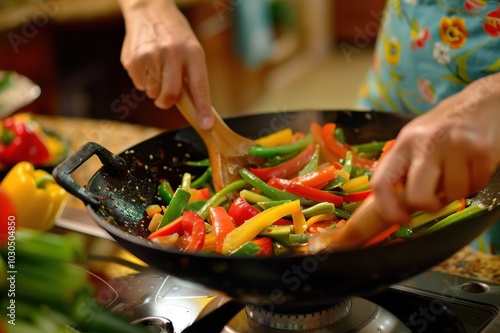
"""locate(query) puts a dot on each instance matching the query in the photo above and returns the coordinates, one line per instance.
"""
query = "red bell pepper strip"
(305, 191)
(382, 236)
(194, 230)
(223, 224)
(327, 155)
(331, 142)
(20, 141)
(340, 150)
(357, 196)
(287, 168)
(174, 227)
(318, 177)
(266, 245)
(241, 210)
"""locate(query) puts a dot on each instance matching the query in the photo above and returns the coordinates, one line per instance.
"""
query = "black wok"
(116, 197)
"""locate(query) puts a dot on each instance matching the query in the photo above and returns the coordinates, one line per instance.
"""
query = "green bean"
(165, 191)
(455, 217)
(368, 147)
(234, 186)
(267, 190)
(204, 178)
(201, 163)
(339, 135)
(320, 208)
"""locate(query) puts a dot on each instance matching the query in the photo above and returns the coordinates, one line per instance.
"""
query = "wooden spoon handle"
(363, 225)
(186, 106)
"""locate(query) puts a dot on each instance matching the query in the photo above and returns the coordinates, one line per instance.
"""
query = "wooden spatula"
(227, 150)
(364, 224)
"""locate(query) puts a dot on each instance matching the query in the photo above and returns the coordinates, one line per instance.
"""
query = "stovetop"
(430, 302)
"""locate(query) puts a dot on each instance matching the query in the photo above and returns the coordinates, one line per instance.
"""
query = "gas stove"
(429, 302)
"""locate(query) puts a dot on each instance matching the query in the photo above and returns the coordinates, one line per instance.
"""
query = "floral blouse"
(428, 50)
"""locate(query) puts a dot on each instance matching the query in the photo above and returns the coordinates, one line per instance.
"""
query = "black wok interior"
(275, 283)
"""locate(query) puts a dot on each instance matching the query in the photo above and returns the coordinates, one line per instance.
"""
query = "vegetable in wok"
(310, 183)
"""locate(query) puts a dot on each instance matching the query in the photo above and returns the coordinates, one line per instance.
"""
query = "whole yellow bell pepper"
(37, 199)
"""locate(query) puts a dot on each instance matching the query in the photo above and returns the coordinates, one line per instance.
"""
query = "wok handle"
(62, 172)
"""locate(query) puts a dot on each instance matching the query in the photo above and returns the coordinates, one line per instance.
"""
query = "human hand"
(446, 154)
(160, 51)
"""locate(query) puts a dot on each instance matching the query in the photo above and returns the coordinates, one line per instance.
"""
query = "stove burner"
(299, 321)
(156, 324)
(352, 315)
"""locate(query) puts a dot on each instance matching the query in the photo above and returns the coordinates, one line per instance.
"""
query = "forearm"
(130, 8)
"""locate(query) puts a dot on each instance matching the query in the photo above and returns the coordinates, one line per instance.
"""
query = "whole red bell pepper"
(20, 140)
(287, 168)
(305, 191)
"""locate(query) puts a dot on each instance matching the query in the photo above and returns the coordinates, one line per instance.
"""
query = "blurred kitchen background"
(313, 55)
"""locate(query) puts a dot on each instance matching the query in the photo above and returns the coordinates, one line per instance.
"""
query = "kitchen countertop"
(117, 136)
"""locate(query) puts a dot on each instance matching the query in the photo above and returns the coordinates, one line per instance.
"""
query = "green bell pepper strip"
(455, 217)
(371, 147)
(204, 178)
(426, 217)
(339, 135)
(165, 192)
(312, 165)
(247, 249)
(342, 213)
(201, 163)
(253, 197)
(291, 148)
(269, 191)
(176, 207)
(320, 208)
(347, 163)
(234, 186)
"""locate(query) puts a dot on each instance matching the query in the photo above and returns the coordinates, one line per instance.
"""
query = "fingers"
(199, 87)
(385, 182)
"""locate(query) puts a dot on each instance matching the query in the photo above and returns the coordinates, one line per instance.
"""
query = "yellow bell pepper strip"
(426, 217)
(241, 210)
(357, 184)
(37, 199)
(292, 148)
(252, 227)
(281, 137)
(287, 168)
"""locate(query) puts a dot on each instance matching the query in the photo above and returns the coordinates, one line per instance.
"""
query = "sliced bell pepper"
(265, 244)
(174, 227)
(177, 205)
(287, 168)
(327, 155)
(194, 230)
(37, 199)
(252, 227)
(318, 177)
(223, 224)
(305, 191)
(241, 210)
(339, 149)
(291, 148)
(357, 196)
(278, 138)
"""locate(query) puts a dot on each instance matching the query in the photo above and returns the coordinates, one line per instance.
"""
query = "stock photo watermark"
(33, 23)
(10, 310)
